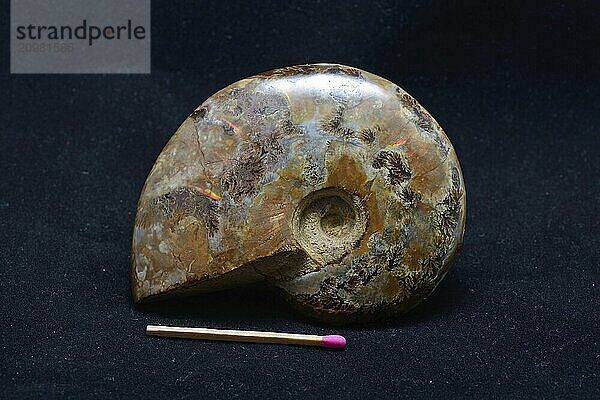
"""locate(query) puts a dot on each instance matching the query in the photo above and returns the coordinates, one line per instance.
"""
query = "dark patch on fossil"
(408, 197)
(334, 124)
(322, 302)
(387, 251)
(268, 143)
(423, 119)
(242, 177)
(288, 128)
(185, 201)
(445, 218)
(260, 106)
(198, 114)
(330, 298)
(311, 69)
(430, 267)
(264, 149)
(228, 129)
(313, 173)
(288, 71)
(368, 135)
(339, 69)
(396, 165)
(413, 282)
(268, 147)
(448, 212)
(360, 273)
(443, 148)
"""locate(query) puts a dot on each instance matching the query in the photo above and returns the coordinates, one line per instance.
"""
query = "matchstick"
(329, 341)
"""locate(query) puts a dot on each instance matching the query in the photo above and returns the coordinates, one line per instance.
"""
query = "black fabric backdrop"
(514, 84)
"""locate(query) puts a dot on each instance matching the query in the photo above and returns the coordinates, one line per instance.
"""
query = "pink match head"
(334, 342)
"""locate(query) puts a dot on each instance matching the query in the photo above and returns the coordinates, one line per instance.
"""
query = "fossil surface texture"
(326, 181)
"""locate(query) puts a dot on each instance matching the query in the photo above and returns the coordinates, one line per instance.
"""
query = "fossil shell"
(326, 181)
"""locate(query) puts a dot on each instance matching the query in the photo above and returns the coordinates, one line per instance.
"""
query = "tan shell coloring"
(329, 182)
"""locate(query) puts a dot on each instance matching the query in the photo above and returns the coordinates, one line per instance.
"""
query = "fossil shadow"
(264, 306)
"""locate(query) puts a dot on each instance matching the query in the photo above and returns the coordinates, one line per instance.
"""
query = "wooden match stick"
(329, 341)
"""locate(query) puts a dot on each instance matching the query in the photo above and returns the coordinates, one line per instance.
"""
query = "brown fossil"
(329, 182)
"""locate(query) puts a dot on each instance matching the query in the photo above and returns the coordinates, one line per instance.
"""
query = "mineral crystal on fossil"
(326, 181)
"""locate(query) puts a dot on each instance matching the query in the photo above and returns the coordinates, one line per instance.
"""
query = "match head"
(334, 342)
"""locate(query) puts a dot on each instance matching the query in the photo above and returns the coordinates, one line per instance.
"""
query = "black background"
(514, 84)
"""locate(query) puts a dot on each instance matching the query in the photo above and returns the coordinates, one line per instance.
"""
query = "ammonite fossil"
(326, 181)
